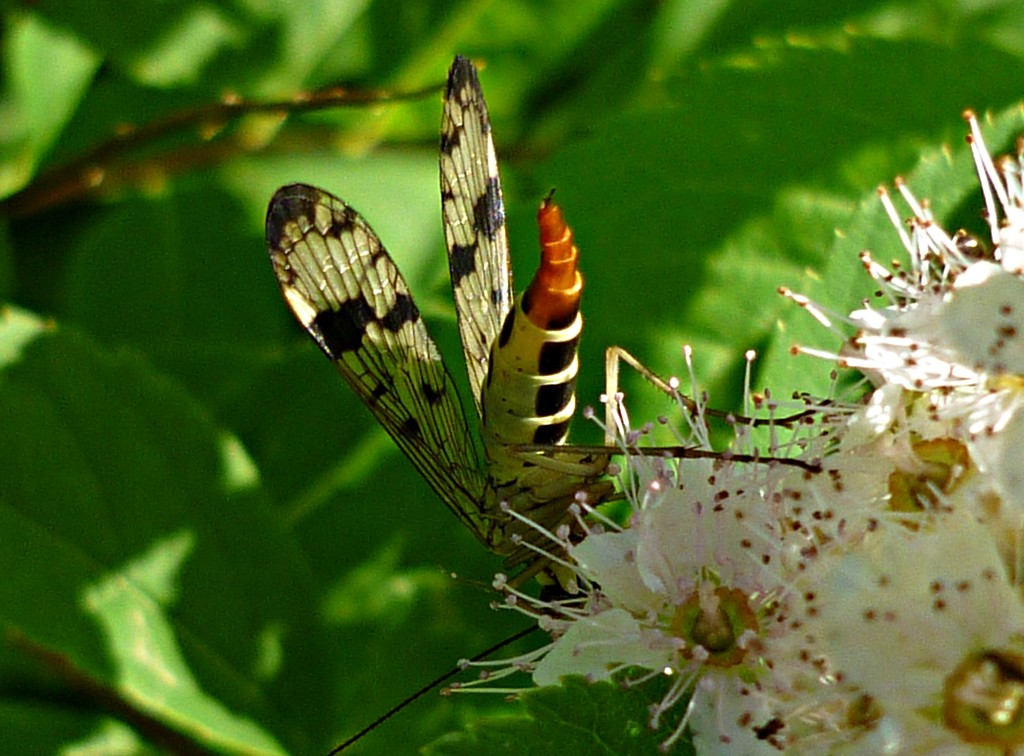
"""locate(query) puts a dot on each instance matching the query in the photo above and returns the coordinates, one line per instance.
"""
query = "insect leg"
(615, 354)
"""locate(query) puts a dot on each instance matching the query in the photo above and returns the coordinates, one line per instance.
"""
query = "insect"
(520, 354)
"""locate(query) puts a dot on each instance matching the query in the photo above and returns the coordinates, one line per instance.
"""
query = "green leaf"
(574, 718)
(150, 572)
(160, 45)
(49, 72)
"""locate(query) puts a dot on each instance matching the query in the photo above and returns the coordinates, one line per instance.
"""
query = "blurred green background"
(206, 544)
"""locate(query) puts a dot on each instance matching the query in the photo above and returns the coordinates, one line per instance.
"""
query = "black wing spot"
(462, 74)
(488, 210)
(450, 139)
(411, 428)
(378, 393)
(403, 311)
(461, 261)
(498, 297)
(378, 255)
(342, 330)
(288, 204)
(434, 396)
(341, 224)
(275, 225)
(556, 356)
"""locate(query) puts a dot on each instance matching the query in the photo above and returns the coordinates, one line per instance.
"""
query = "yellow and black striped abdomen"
(529, 396)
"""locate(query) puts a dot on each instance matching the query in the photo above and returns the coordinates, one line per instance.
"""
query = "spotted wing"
(474, 221)
(347, 293)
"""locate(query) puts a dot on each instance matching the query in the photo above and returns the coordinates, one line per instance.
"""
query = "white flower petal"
(609, 559)
(724, 719)
(595, 645)
(983, 319)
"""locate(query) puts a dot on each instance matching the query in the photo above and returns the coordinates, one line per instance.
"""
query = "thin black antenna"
(428, 687)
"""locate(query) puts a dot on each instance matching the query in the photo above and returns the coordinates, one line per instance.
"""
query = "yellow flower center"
(984, 699)
(715, 619)
(944, 465)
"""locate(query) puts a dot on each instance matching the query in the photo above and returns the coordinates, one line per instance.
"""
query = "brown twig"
(105, 698)
(88, 172)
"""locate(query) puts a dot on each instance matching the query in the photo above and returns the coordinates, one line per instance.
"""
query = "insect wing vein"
(347, 293)
(474, 221)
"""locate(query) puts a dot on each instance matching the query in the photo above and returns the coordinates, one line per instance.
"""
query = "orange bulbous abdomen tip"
(552, 224)
(554, 293)
(558, 252)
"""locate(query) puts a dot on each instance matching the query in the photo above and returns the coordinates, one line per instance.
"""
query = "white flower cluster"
(872, 605)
